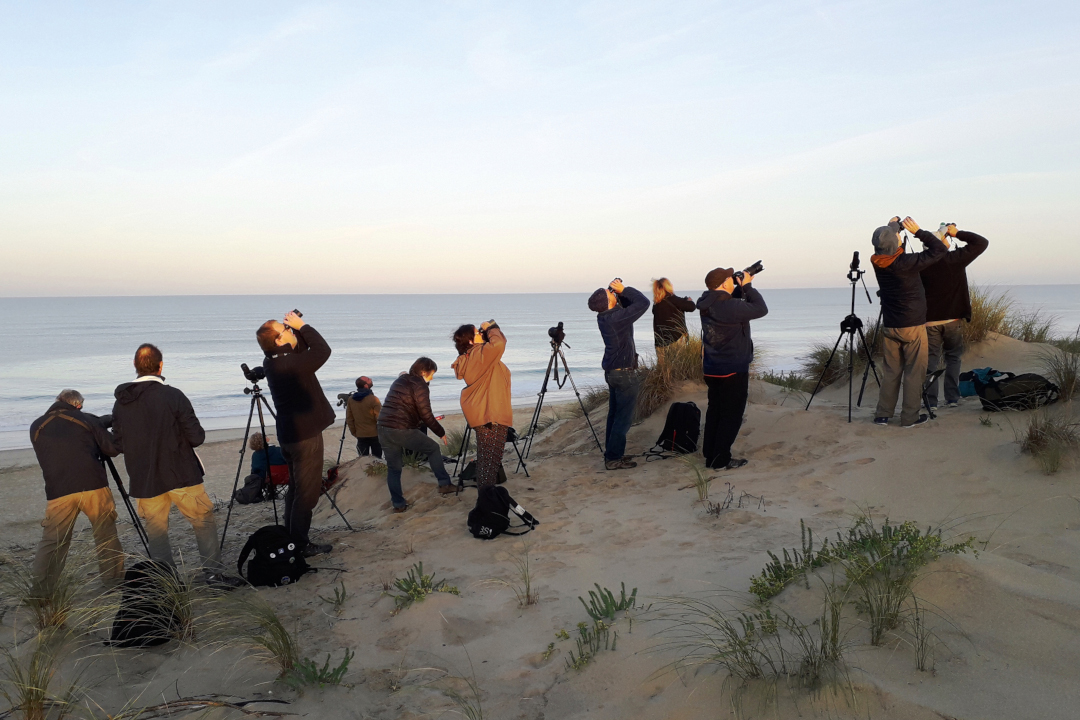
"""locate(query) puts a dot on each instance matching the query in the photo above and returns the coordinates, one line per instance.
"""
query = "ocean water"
(88, 343)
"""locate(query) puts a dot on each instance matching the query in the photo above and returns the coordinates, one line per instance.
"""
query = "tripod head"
(854, 276)
(253, 377)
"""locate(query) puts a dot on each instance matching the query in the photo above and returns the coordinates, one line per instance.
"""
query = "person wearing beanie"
(948, 301)
(727, 351)
(617, 307)
(903, 310)
(361, 415)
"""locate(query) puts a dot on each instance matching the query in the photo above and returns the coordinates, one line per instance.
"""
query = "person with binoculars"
(617, 307)
(294, 351)
(485, 399)
(727, 351)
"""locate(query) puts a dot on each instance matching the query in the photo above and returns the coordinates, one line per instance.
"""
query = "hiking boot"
(401, 509)
(953, 404)
(736, 463)
(881, 421)
(314, 549)
(923, 419)
(221, 581)
(622, 463)
(446, 489)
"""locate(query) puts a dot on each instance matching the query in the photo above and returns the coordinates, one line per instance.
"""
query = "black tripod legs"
(825, 370)
(139, 529)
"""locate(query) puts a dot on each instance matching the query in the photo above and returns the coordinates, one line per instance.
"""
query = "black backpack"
(1016, 392)
(491, 516)
(277, 559)
(469, 474)
(147, 614)
(681, 432)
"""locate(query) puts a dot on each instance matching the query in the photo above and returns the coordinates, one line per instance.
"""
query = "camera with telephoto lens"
(754, 269)
(557, 334)
(253, 376)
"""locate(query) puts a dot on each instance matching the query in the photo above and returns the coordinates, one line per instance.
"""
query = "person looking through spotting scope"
(294, 351)
(155, 427)
(362, 416)
(485, 399)
(903, 308)
(70, 445)
(727, 351)
(948, 301)
(616, 308)
(407, 408)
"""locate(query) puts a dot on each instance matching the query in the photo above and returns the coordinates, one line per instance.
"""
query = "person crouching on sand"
(616, 308)
(727, 351)
(485, 399)
(406, 408)
(70, 445)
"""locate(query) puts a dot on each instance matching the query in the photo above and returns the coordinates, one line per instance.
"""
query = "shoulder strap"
(58, 414)
(248, 547)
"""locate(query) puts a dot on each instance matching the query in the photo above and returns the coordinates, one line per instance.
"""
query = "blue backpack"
(983, 375)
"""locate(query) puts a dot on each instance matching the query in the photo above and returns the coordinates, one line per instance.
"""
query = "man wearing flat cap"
(727, 351)
(617, 307)
(903, 318)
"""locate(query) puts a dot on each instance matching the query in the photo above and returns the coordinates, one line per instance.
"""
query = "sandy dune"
(1011, 646)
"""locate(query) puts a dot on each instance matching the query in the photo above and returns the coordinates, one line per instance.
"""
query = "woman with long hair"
(485, 399)
(669, 313)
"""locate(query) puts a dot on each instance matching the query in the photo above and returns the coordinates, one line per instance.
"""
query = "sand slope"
(1011, 644)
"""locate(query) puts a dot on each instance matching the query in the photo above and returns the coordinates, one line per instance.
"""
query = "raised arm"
(314, 357)
(481, 360)
(974, 246)
(935, 251)
(684, 304)
(635, 307)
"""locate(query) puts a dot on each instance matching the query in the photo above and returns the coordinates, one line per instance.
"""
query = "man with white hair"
(70, 446)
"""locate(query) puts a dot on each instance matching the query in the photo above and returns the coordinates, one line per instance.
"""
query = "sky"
(464, 147)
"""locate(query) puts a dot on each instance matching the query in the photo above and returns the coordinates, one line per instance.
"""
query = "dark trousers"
(369, 446)
(622, 399)
(727, 402)
(947, 340)
(396, 442)
(305, 460)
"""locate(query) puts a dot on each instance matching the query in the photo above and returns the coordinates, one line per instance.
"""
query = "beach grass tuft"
(660, 378)
(28, 678)
(454, 438)
(1029, 325)
(1062, 367)
(815, 364)
(248, 618)
(989, 310)
(375, 469)
(1049, 436)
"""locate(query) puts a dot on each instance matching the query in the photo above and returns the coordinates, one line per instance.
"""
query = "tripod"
(139, 529)
(873, 345)
(459, 461)
(553, 363)
(849, 327)
(258, 400)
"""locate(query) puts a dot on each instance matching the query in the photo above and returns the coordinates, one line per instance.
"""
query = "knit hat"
(363, 382)
(598, 301)
(886, 239)
(717, 276)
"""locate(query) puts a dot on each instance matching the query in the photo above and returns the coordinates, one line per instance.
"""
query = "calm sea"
(88, 343)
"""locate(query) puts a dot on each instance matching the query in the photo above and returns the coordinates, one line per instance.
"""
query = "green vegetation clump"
(417, 585)
(602, 604)
(589, 641)
(308, 672)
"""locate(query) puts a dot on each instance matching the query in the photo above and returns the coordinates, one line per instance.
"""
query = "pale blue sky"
(151, 147)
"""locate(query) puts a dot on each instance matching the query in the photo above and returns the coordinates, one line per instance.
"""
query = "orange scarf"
(884, 261)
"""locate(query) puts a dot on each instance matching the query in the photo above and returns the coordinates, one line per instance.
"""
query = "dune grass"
(248, 619)
(1050, 436)
(29, 679)
(989, 311)
(454, 438)
(1062, 367)
(813, 364)
(661, 378)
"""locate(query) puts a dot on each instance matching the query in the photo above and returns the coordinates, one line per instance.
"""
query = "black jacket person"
(727, 351)
(948, 302)
(294, 352)
(70, 445)
(156, 428)
(903, 308)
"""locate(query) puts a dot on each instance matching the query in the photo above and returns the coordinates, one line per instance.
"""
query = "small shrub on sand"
(602, 604)
(27, 678)
(248, 618)
(54, 604)
(1062, 367)
(813, 364)
(375, 469)
(454, 438)
(659, 379)
(1068, 344)
(989, 309)
(590, 639)
(593, 398)
(416, 461)
(1049, 437)
(1029, 326)
(308, 672)
(417, 585)
(790, 380)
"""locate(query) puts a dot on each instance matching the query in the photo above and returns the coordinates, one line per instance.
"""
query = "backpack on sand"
(682, 428)
(147, 614)
(491, 516)
(983, 375)
(469, 474)
(1016, 392)
(277, 560)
